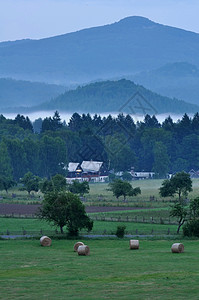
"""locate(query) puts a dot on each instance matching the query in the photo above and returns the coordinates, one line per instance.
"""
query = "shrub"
(191, 228)
(120, 231)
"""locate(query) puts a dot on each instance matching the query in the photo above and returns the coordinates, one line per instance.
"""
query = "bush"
(120, 231)
(191, 228)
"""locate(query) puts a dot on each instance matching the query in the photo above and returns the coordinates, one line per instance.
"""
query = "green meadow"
(34, 226)
(101, 195)
(154, 219)
(112, 271)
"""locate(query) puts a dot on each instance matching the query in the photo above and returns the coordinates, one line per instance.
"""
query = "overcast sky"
(36, 19)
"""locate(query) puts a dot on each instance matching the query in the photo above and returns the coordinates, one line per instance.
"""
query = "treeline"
(109, 96)
(46, 146)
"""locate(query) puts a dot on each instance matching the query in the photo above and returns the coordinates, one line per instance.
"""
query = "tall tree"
(161, 160)
(75, 123)
(6, 183)
(23, 122)
(123, 188)
(65, 209)
(5, 162)
(31, 182)
(180, 212)
(168, 124)
(31, 149)
(18, 157)
(56, 183)
(195, 122)
(179, 184)
(53, 156)
(80, 188)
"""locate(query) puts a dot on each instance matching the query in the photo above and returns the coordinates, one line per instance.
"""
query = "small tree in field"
(31, 182)
(65, 209)
(180, 212)
(56, 183)
(179, 184)
(80, 188)
(6, 183)
(123, 188)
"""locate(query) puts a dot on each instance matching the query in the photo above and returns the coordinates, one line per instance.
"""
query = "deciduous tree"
(180, 212)
(123, 188)
(80, 188)
(179, 184)
(31, 182)
(56, 183)
(65, 209)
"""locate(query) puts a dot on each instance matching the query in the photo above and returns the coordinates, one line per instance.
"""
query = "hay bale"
(134, 244)
(83, 250)
(77, 245)
(45, 241)
(177, 248)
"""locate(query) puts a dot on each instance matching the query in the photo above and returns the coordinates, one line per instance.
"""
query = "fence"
(136, 219)
(93, 233)
(19, 216)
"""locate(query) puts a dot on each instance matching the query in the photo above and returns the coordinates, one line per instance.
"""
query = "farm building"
(142, 175)
(91, 171)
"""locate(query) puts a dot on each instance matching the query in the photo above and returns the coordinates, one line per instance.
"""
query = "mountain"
(116, 97)
(25, 93)
(180, 80)
(129, 46)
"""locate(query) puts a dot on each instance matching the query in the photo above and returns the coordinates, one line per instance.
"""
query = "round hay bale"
(83, 250)
(45, 241)
(134, 244)
(77, 245)
(177, 248)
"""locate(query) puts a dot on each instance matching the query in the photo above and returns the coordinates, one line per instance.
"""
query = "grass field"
(100, 195)
(149, 188)
(112, 271)
(34, 226)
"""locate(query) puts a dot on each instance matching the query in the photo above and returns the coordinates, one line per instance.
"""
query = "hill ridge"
(110, 96)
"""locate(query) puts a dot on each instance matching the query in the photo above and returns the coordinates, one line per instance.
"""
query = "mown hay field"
(101, 195)
(150, 197)
(111, 271)
(15, 226)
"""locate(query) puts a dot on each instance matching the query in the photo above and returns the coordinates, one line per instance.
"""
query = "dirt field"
(23, 209)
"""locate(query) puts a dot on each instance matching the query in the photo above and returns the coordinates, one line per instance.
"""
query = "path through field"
(29, 209)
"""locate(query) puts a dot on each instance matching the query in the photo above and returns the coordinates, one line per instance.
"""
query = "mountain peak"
(136, 21)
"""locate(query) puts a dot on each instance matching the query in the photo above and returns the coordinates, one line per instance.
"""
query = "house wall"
(94, 179)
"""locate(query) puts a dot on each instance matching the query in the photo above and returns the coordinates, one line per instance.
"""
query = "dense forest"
(116, 96)
(46, 146)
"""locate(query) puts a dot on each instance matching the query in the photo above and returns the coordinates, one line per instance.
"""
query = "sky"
(35, 19)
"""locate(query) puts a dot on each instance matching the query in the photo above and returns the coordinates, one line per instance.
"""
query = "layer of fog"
(66, 116)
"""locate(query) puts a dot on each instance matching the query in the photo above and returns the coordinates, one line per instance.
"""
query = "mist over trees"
(119, 142)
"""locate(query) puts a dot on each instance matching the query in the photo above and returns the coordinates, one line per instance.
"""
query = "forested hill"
(131, 45)
(26, 93)
(115, 96)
